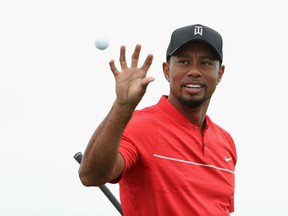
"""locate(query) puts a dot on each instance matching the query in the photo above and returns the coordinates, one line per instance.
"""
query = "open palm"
(131, 82)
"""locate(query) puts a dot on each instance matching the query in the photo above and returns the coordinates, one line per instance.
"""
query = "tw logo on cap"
(198, 30)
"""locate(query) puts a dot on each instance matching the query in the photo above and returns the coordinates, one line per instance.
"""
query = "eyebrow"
(211, 57)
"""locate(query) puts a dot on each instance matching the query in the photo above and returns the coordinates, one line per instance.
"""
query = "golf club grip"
(103, 188)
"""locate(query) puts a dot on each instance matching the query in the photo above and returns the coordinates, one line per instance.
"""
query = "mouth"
(193, 86)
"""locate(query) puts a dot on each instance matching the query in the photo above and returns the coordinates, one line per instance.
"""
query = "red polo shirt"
(171, 169)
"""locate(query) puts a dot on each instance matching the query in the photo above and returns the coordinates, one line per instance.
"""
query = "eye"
(206, 62)
(183, 61)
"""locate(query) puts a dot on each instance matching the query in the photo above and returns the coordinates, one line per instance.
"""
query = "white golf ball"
(102, 43)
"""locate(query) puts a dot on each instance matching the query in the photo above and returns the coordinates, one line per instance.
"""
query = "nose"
(194, 71)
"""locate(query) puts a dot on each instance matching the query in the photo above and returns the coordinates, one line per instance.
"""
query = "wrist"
(123, 111)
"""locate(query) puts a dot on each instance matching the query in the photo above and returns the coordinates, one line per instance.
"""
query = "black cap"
(184, 35)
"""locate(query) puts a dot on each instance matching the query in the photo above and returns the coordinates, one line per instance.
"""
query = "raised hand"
(131, 82)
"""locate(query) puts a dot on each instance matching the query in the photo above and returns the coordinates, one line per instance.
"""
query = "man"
(169, 158)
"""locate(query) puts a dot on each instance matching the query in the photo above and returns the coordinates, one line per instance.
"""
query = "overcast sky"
(56, 87)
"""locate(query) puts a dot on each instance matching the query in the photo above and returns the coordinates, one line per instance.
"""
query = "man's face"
(193, 73)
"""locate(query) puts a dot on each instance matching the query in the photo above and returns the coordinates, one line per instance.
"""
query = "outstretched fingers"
(145, 81)
(113, 68)
(147, 63)
(131, 81)
(145, 67)
(135, 55)
(122, 58)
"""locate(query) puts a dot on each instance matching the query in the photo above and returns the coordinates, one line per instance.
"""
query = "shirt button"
(195, 127)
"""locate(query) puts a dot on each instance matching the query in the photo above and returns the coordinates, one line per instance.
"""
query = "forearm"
(102, 152)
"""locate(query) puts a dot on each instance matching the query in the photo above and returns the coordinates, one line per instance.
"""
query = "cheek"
(213, 82)
(172, 80)
(175, 83)
(213, 79)
(175, 77)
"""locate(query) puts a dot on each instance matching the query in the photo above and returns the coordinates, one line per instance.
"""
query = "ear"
(165, 68)
(220, 73)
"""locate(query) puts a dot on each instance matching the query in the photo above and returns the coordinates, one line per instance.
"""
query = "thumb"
(145, 81)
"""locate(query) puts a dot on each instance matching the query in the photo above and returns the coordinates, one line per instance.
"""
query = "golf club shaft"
(103, 188)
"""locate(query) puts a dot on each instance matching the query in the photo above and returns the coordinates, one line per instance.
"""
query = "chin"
(191, 102)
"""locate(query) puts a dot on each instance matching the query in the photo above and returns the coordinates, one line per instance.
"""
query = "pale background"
(56, 87)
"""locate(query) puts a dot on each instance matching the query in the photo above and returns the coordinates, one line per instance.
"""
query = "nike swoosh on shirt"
(227, 159)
